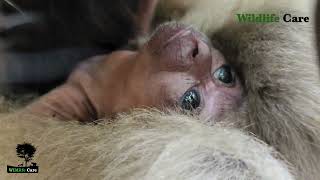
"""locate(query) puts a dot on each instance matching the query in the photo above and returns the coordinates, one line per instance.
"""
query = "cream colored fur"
(210, 15)
(278, 64)
(143, 144)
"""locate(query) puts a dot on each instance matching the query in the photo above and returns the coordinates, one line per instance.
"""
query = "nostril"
(195, 51)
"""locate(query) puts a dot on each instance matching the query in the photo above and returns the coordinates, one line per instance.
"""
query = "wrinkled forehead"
(176, 47)
(166, 33)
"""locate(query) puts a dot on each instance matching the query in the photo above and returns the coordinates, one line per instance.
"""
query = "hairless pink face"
(186, 70)
(177, 67)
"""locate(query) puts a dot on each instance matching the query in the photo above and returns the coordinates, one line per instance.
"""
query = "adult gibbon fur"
(284, 108)
(278, 66)
(143, 144)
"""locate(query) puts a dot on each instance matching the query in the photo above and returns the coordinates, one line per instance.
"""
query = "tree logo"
(26, 152)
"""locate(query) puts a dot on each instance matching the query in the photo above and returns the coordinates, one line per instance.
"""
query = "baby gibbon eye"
(190, 100)
(225, 75)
